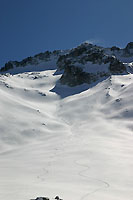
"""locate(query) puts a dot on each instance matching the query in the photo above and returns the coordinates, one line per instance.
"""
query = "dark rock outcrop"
(41, 198)
(129, 48)
(77, 63)
(46, 198)
(86, 63)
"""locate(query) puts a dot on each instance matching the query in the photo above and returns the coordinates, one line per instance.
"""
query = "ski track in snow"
(50, 138)
(82, 174)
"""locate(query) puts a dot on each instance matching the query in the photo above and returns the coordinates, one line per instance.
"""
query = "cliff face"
(88, 63)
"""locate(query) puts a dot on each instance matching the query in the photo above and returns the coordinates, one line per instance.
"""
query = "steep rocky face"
(86, 63)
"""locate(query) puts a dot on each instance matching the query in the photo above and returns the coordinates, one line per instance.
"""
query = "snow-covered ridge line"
(35, 60)
(85, 64)
(126, 53)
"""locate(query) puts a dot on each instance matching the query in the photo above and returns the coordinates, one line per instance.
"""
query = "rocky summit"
(87, 63)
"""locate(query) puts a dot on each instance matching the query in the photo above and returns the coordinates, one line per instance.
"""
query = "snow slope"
(75, 142)
(79, 147)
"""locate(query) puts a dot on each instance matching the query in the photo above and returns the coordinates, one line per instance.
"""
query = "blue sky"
(28, 27)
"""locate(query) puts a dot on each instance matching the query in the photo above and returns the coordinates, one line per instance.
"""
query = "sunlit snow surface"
(78, 147)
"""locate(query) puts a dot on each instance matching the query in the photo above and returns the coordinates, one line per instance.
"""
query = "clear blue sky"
(28, 27)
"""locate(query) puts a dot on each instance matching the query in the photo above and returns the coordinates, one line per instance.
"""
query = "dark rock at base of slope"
(58, 198)
(41, 198)
(73, 76)
(46, 198)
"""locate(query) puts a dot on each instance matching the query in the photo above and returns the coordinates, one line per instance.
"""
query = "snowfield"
(79, 147)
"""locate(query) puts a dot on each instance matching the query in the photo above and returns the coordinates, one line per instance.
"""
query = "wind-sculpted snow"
(75, 142)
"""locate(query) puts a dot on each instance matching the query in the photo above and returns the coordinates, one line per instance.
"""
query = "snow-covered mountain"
(66, 125)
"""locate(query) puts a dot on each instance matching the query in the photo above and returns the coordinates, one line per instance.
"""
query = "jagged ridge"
(86, 63)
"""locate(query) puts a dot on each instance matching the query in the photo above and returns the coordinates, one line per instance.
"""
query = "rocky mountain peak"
(85, 63)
